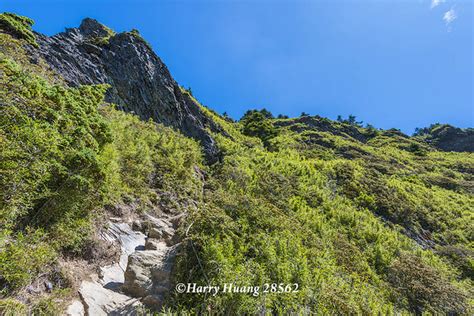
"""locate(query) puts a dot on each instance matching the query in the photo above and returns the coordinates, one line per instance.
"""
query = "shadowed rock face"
(140, 82)
(450, 138)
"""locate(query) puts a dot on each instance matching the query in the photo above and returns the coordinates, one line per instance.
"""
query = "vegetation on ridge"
(334, 215)
(18, 26)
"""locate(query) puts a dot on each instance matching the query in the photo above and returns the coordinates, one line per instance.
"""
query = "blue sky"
(401, 64)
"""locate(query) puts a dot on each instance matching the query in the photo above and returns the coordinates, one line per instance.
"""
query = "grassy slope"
(320, 209)
(332, 214)
(66, 155)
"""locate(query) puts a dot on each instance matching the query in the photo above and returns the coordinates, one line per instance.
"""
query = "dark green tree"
(266, 113)
(259, 124)
(226, 116)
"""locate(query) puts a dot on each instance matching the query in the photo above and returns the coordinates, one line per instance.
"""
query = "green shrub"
(48, 305)
(23, 256)
(258, 124)
(424, 289)
(12, 307)
(18, 26)
(329, 212)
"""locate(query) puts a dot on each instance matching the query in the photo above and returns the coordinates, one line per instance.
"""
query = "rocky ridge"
(139, 81)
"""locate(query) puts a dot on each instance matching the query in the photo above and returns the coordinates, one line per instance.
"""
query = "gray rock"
(152, 244)
(148, 272)
(138, 276)
(75, 309)
(99, 301)
(91, 28)
(140, 82)
(48, 285)
(112, 275)
(161, 271)
(128, 238)
(146, 276)
(159, 228)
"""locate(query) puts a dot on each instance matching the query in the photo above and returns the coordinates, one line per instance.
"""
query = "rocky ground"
(140, 279)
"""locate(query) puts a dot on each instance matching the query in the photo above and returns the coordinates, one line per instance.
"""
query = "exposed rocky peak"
(91, 27)
(139, 81)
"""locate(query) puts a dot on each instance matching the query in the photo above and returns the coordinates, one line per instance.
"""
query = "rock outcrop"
(148, 272)
(101, 294)
(450, 138)
(99, 301)
(141, 277)
(139, 81)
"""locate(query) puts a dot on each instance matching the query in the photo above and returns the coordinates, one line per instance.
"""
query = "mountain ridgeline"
(139, 81)
(95, 135)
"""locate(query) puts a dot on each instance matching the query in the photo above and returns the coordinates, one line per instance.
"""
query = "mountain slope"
(140, 82)
(376, 225)
(363, 221)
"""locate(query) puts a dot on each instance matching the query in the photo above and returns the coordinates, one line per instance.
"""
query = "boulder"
(138, 276)
(112, 276)
(161, 271)
(99, 301)
(129, 239)
(148, 272)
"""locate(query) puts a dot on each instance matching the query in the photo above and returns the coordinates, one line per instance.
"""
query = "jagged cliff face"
(139, 81)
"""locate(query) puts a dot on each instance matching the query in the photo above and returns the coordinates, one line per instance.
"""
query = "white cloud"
(450, 16)
(435, 3)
